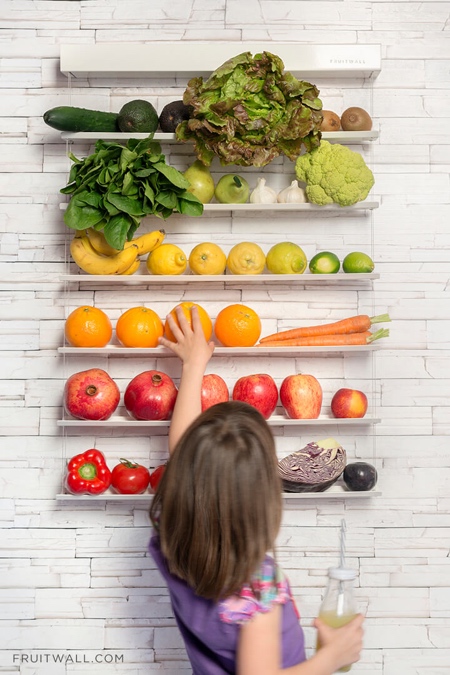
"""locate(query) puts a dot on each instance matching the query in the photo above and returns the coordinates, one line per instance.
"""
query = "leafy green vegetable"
(249, 111)
(117, 186)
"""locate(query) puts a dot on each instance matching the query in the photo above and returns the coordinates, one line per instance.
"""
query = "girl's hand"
(190, 346)
(343, 644)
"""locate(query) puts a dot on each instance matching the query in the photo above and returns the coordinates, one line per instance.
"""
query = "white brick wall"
(74, 578)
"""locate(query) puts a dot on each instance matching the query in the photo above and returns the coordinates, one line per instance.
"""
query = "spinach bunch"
(117, 186)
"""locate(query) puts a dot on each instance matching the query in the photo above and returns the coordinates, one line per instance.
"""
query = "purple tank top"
(210, 630)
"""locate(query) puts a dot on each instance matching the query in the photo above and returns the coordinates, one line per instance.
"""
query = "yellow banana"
(87, 258)
(148, 242)
(99, 242)
(133, 267)
(145, 243)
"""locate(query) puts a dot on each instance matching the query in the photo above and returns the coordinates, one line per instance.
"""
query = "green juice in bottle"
(338, 606)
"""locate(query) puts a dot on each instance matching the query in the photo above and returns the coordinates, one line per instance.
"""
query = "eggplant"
(360, 476)
(314, 468)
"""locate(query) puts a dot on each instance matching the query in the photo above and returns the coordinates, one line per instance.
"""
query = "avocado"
(139, 116)
(173, 114)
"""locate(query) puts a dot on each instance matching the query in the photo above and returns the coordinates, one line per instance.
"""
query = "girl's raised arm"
(194, 352)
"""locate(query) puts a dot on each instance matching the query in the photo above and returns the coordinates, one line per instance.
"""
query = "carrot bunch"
(351, 331)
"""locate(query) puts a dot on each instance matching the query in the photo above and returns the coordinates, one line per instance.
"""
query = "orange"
(88, 326)
(139, 327)
(186, 307)
(237, 326)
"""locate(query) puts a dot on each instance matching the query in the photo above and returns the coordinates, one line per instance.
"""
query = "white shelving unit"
(229, 352)
(276, 421)
(368, 205)
(186, 59)
(346, 137)
(335, 492)
(182, 61)
(241, 280)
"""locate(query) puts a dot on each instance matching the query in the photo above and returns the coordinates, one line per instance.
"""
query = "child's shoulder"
(268, 587)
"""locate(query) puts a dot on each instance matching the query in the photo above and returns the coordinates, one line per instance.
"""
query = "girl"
(216, 512)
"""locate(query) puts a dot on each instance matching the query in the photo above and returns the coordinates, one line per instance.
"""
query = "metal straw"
(343, 530)
(340, 598)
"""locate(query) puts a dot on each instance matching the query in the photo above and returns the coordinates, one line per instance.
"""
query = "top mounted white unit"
(188, 59)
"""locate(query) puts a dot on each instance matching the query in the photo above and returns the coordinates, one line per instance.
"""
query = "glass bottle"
(339, 606)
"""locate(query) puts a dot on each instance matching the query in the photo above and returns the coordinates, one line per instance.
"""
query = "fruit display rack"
(182, 60)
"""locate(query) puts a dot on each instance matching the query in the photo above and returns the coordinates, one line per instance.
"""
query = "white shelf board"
(274, 421)
(162, 352)
(335, 492)
(347, 137)
(306, 279)
(187, 58)
(279, 208)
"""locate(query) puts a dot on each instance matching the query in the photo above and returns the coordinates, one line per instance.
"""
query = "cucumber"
(67, 118)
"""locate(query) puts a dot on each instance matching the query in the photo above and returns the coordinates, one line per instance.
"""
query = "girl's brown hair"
(218, 506)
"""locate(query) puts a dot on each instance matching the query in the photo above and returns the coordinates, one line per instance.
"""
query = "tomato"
(155, 476)
(129, 478)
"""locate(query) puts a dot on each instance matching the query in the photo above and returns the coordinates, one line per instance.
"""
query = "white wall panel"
(75, 578)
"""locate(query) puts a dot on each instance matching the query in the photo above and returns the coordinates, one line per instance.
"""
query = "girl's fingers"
(196, 323)
(174, 327)
(169, 344)
(183, 321)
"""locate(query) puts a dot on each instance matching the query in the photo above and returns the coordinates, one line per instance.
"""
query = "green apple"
(202, 183)
(232, 189)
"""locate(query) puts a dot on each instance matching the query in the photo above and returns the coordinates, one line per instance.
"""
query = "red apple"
(151, 395)
(349, 403)
(91, 395)
(259, 390)
(301, 397)
(214, 390)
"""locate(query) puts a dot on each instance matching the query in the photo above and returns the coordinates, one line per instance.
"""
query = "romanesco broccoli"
(334, 173)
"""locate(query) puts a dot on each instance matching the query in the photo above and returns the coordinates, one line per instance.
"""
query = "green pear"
(232, 189)
(202, 183)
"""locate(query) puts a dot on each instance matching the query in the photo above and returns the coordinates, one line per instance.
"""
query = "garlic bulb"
(292, 194)
(263, 194)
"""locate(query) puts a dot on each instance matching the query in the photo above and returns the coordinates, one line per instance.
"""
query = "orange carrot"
(354, 324)
(363, 338)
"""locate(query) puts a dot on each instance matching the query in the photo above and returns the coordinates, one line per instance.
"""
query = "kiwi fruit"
(356, 119)
(330, 122)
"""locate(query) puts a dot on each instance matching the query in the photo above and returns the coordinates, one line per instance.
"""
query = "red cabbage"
(314, 468)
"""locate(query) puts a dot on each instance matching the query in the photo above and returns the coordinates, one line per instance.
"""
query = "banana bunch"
(94, 255)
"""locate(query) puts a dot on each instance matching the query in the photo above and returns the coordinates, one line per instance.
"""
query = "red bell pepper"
(88, 474)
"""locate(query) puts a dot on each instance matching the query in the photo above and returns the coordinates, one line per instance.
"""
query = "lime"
(286, 258)
(324, 263)
(357, 262)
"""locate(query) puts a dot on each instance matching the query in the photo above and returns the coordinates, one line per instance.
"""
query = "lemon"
(246, 258)
(207, 258)
(166, 259)
(324, 263)
(286, 258)
(357, 262)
